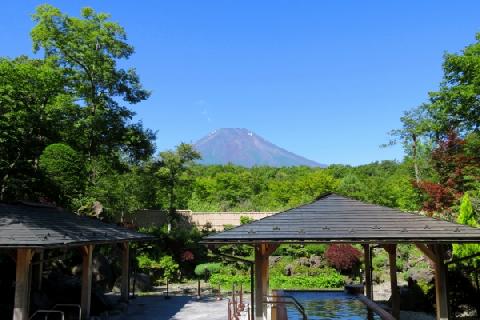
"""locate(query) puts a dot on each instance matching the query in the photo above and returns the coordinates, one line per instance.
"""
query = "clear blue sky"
(324, 79)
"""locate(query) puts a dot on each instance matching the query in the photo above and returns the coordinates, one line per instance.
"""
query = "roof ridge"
(324, 195)
(38, 204)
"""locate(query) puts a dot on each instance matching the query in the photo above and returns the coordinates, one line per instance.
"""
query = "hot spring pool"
(329, 305)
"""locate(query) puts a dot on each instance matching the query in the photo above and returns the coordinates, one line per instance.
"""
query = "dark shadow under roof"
(334, 218)
(23, 225)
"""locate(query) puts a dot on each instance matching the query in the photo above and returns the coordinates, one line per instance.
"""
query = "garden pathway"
(176, 308)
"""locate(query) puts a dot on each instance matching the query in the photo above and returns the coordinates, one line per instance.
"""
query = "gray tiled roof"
(334, 218)
(23, 225)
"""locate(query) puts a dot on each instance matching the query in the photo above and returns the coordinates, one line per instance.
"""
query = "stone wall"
(217, 220)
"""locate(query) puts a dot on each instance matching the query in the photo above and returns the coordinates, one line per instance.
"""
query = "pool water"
(329, 305)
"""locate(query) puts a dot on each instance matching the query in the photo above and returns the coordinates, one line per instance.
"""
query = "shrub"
(321, 281)
(246, 219)
(316, 249)
(207, 268)
(380, 260)
(228, 280)
(166, 265)
(343, 256)
(169, 267)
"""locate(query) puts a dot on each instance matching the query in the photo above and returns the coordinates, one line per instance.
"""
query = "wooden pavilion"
(336, 219)
(27, 230)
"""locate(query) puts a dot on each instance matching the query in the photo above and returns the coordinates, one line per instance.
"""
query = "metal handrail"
(70, 305)
(48, 311)
(293, 302)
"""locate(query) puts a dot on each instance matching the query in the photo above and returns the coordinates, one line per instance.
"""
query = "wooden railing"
(286, 300)
(375, 308)
(237, 308)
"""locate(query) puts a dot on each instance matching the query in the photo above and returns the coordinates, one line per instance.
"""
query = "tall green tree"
(457, 103)
(174, 174)
(35, 111)
(416, 124)
(88, 49)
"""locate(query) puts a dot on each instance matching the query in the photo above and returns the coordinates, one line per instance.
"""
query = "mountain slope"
(245, 148)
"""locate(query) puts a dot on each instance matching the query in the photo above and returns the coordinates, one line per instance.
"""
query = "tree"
(416, 123)
(343, 256)
(455, 161)
(35, 111)
(174, 174)
(88, 49)
(467, 216)
(63, 168)
(457, 102)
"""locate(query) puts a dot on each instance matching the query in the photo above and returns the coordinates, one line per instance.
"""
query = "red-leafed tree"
(342, 256)
(455, 162)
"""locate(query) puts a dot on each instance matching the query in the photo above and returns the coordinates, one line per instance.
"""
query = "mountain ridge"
(241, 146)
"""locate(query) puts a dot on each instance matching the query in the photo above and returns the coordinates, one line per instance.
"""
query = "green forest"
(67, 137)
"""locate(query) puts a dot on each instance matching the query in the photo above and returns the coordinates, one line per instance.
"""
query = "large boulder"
(142, 281)
(288, 270)
(317, 261)
(413, 298)
(303, 261)
(62, 288)
(102, 272)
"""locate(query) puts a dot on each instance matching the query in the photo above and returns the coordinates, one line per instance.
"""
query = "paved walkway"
(175, 308)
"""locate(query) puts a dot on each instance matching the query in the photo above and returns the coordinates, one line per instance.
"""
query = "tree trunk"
(415, 158)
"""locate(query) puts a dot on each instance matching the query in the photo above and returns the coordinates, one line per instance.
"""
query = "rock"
(412, 298)
(303, 261)
(354, 288)
(317, 261)
(142, 283)
(66, 289)
(272, 260)
(102, 272)
(425, 275)
(288, 271)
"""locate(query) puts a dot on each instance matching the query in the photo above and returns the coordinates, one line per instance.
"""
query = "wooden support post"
(436, 254)
(262, 252)
(86, 281)
(368, 271)
(441, 293)
(22, 284)
(392, 258)
(125, 272)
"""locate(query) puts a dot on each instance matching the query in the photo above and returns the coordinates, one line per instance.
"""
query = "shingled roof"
(334, 218)
(28, 225)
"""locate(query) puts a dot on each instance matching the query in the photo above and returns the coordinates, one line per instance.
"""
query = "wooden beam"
(125, 271)
(368, 271)
(441, 292)
(261, 279)
(427, 251)
(269, 248)
(22, 284)
(86, 281)
(392, 259)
